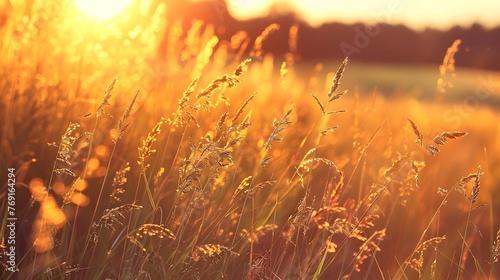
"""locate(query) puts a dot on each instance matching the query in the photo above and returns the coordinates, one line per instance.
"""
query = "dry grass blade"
(229, 80)
(433, 270)
(216, 84)
(118, 181)
(369, 247)
(156, 230)
(205, 251)
(396, 167)
(257, 46)
(336, 79)
(418, 263)
(341, 226)
(330, 246)
(112, 217)
(253, 236)
(69, 193)
(337, 95)
(182, 116)
(335, 112)
(447, 69)
(242, 107)
(453, 135)
(3, 252)
(147, 146)
(417, 132)
(265, 161)
(191, 117)
(220, 124)
(474, 177)
(476, 186)
(335, 195)
(495, 249)
(122, 126)
(65, 171)
(464, 181)
(306, 163)
(367, 222)
(322, 216)
(242, 67)
(278, 127)
(105, 99)
(478, 207)
(414, 168)
(432, 150)
(261, 266)
(187, 93)
(440, 141)
(149, 230)
(260, 186)
(65, 148)
(328, 130)
(448, 65)
(442, 191)
(300, 218)
(443, 137)
(321, 106)
(244, 184)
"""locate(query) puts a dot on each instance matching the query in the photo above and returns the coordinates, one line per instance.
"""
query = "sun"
(102, 9)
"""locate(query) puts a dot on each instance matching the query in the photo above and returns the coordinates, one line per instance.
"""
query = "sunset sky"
(418, 14)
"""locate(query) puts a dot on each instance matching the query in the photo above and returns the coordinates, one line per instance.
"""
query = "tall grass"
(203, 160)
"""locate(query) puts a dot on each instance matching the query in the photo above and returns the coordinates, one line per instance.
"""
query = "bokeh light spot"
(93, 164)
(102, 9)
(38, 191)
(80, 199)
(80, 185)
(102, 151)
(59, 188)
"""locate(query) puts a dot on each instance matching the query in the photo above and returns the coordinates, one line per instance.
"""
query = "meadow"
(140, 155)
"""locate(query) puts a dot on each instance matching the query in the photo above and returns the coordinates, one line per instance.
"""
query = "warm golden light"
(102, 9)
(80, 199)
(38, 191)
(80, 185)
(93, 164)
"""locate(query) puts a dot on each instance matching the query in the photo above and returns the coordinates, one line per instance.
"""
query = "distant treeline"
(480, 47)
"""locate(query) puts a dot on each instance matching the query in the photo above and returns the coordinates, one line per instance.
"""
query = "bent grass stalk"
(472, 199)
(122, 126)
(145, 151)
(331, 96)
(279, 127)
(401, 271)
(64, 148)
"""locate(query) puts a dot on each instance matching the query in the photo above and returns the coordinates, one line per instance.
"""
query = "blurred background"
(404, 40)
(381, 31)
(57, 58)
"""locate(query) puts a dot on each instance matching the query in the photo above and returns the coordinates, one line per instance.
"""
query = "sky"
(418, 14)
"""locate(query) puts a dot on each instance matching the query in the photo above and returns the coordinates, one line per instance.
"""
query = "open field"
(208, 159)
(414, 81)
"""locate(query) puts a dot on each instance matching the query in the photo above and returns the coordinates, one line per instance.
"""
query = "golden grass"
(239, 174)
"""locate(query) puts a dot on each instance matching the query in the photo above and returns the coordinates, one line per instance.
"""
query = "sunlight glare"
(102, 9)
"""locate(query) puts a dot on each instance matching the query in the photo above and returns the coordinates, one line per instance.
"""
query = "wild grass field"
(143, 156)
